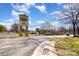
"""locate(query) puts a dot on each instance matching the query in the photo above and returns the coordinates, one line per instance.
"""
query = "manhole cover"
(45, 51)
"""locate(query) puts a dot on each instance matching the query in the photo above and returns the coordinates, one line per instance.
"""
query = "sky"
(37, 13)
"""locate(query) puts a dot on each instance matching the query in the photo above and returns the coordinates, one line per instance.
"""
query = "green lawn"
(68, 47)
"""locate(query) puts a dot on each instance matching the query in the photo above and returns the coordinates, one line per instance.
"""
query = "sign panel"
(24, 23)
(23, 20)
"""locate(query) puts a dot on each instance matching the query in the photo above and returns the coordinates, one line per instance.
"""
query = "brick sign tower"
(23, 23)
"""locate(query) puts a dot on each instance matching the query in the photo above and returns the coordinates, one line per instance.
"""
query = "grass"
(68, 47)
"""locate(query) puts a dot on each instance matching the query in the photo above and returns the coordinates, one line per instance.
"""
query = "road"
(23, 46)
(16, 47)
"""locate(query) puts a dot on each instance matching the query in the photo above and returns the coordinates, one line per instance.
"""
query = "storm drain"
(45, 51)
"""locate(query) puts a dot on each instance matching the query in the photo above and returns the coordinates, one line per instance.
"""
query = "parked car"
(67, 34)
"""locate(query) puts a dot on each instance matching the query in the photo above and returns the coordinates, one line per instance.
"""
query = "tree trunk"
(77, 29)
(74, 30)
(20, 33)
(74, 24)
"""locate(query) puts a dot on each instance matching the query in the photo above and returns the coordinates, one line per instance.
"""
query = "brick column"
(20, 34)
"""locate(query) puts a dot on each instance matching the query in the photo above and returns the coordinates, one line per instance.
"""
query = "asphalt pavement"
(25, 46)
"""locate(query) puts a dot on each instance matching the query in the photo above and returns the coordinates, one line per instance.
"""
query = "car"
(67, 34)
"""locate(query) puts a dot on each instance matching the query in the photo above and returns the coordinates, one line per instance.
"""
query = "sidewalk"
(50, 45)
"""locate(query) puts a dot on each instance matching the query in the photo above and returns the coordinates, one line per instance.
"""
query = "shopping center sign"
(23, 20)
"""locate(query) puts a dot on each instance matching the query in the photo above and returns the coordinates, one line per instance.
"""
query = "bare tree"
(46, 26)
(69, 15)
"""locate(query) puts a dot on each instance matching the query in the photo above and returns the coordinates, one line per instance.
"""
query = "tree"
(70, 14)
(2, 28)
(77, 25)
(46, 26)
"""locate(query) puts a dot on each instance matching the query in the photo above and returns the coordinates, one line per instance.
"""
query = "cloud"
(8, 23)
(55, 12)
(66, 6)
(30, 17)
(20, 7)
(16, 14)
(54, 23)
(42, 8)
(30, 22)
(23, 8)
(29, 4)
(26, 6)
(40, 21)
(59, 4)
